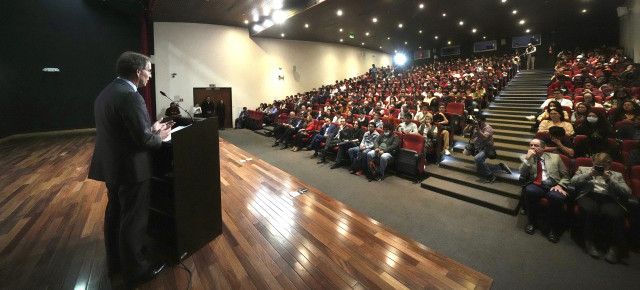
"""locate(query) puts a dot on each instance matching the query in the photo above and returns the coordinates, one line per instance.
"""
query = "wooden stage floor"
(51, 231)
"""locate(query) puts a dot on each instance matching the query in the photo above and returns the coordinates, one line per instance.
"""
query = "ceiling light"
(528, 30)
(266, 10)
(277, 4)
(396, 51)
(374, 20)
(461, 22)
(381, 47)
(340, 29)
(449, 42)
(420, 31)
(267, 23)
(366, 33)
(436, 37)
(246, 21)
(279, 16)
(341, 40)
(363, 43)
(405, 43)
(419, 47)
(484, 37)
(306, 25)
(339, 12)
(521, 22)
(281, 34)
(421, 6)
(255, 15)
(388, 38)
(258, 28)
(400, 25)
(473, 30)
(584, 10)
(503, 1)
(444, 14)
(514, 12)
(399, 58)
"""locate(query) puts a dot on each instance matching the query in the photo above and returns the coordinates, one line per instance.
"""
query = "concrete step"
(513, 117)
(465, 164)
(516, 140)
(518, 121)
(513, 133)
(517, 101)
(522, 107)
(503, 155)
(481, 197)
(521, 113)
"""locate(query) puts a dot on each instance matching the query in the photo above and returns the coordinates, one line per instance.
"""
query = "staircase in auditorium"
(455, 176)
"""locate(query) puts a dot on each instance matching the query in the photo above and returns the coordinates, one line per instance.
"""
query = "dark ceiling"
(492, 19)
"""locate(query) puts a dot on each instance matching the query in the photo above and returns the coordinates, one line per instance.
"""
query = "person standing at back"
(531, 56)
(122, 159)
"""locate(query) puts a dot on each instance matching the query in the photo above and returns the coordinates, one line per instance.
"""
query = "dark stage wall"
(82, 38)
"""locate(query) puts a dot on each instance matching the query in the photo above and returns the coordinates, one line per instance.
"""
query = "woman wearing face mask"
(580, 112)
(594, 122)
(557, 119)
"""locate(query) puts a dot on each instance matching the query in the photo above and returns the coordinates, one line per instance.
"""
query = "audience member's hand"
(362, 147)
(530, 153)
(559, 189)
(607, 175)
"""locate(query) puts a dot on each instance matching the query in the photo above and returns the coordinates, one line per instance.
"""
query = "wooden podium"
(185, 212)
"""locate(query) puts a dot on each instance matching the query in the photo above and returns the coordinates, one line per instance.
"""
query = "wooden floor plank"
(51, 220)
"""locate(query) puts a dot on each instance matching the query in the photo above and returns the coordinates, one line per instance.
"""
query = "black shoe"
(149, 275)
(315, 154)
(322, 160)
(307, 149)
(336, 165)
(275, 144)
(285, 146)
(490, 179)
(530, 229)
(505, 168)
(553, 237)
(379, 177)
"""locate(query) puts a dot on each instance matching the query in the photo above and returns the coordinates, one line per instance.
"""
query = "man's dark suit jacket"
(123, 136)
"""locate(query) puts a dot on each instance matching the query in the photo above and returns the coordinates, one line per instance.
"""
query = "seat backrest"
(567, 163)
(541, 135)
(583, 161)
(623, 123)
(400, 137)
(455, 108)
(619, 167)
(578, 139)
(413, 142)
(599, 110)
(628, 145)
(635, 180)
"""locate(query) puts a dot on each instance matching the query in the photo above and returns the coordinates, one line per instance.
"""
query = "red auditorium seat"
(623, 123)
(411, 158)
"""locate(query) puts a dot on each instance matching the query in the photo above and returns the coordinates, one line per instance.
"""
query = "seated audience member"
(208, 107)
(197, 110)
(358, 154)
(377, 120)
(558, 142)
(173, 110)
(556, 118)
(334, 139)
(580, 113)
(620, 95)
(431, 101)
(630, 131)
(303, 111)
(629, 112)
(404, 110)
(407, 126)
(439, 117)
(601, 196)
(545, 113)
(596, 143)
(272, 115)
(305, 132)
(279, 128)
(429, 131)
(558, 97)
(589, 88)
(352, 139)
(597, 122)
(285, 135)
(326, 130)
(546, 176)
(349, 118)
(423, 114)
(383, 149)
(242, 118)
(589, 99)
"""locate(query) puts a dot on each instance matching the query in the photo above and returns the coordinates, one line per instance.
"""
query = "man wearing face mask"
(384, 148)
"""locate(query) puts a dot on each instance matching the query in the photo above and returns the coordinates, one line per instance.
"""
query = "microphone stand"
(165, 95)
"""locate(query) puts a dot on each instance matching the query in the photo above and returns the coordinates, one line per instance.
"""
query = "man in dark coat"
(122, 159)
(208, 108)
(220, 112)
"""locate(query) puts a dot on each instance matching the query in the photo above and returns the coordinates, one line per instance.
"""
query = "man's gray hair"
(129, 62)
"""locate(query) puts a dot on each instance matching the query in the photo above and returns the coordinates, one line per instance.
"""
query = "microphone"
(162, 93)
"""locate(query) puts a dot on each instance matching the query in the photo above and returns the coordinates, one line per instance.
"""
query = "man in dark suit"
(122, 159)
(220, 112)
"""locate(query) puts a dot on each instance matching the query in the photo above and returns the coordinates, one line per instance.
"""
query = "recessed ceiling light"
(528, 30)
(340, 29)
(436, 37)
(374, 20)
(339, 12)
(266, 10)
(282, 34)
(341, 40)
(514, 12)
(473, 30)
(400, 25)
(306, 25)
(279, 16)
(461, 22)
(381, 47)
(449, 42)
(521, 21)
(584, 10)
(255, 15)
(444, 14)
(420, 31)
(503, 1)
(484, 37)
(363, 43)
(246, 21)
(396, 51)
(421, 5)
(405, 43)
(366, 33)
(388, 38)
(419, 47)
